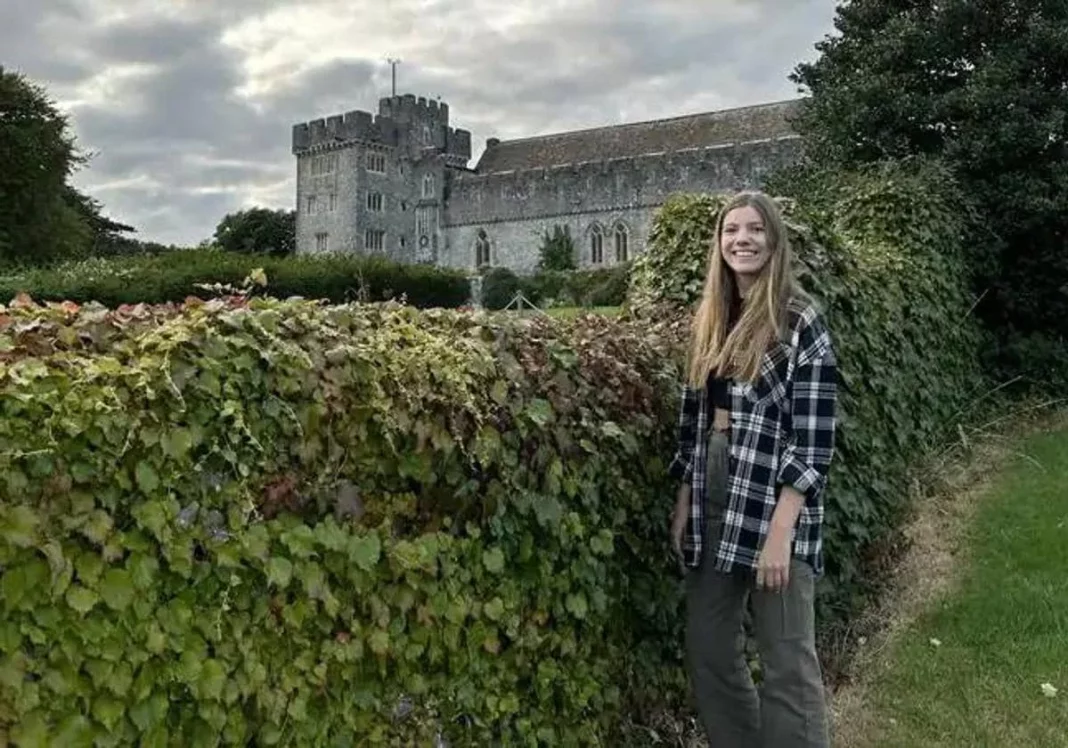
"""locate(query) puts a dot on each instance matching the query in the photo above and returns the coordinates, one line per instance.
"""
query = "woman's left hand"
(773, 566)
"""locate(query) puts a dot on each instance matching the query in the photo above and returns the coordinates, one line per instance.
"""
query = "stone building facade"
(398, 184)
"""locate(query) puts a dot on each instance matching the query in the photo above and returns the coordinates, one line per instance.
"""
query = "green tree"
(258, 230)
(557, 250)
(983, 86)
(39, 222)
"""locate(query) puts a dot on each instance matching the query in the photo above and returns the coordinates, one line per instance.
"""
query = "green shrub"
(278, 525)
(172, 276)
(499, 287)
(585, 288)
(880, 250)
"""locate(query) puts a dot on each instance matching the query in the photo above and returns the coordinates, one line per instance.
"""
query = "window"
(374, 202)
(322, 165)
(428, 185)
(376, 162)
(621, 243)
(312, 206)
(374, 239)
(425, 221)
(333, 202)
(322, 242)
(596, 245)
(482, 249)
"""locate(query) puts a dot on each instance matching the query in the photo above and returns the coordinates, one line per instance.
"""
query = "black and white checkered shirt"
(782, 433)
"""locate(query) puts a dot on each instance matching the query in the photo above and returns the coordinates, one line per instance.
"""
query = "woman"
(756, 435)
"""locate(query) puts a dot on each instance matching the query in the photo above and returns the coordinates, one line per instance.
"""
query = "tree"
(981, 85)
(258, 230)
(106, 236)
(38, 222)
(557, 250)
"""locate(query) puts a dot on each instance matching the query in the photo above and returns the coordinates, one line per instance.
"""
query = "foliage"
(881, 251)
(104, 233)
(273, 523)
(557, 250)
(37, 222)
(259, 231)
(499, 287)
(589, 287)
(171, 276)
(980, 85)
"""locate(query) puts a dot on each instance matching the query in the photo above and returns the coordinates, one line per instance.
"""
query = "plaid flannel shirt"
(782, 433)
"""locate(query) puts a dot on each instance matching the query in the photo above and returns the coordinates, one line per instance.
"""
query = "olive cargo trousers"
(789, 711)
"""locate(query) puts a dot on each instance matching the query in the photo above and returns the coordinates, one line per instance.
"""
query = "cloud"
(188, 105)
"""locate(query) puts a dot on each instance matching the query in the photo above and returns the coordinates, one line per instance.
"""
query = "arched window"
(621, 242)
(428, 185)
(482, 249)
(596, 244)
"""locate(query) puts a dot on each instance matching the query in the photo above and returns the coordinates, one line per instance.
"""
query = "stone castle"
(398, 183)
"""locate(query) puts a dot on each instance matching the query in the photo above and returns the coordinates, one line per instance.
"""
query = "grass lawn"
(999, 635)
(568, 312)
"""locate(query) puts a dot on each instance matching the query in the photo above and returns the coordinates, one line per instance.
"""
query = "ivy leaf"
(81, 599)
(212, 680)
(147, 478)
(365, 550)
(19, 526)
(576, 605)
(493, 560)
(539, 411)
(279, 572)
(494, 609)
(177, 442)
(117, 589)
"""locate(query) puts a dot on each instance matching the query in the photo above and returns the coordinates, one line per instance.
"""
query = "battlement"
(409, 108)
(401, 120)
(340, 128)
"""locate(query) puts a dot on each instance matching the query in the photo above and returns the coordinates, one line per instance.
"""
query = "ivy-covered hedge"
(273, 523)
(880, 249)
(282, 523)
(172, 276)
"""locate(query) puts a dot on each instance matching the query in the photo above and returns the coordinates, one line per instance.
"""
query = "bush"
(499, 287)
(880, 250)
(585, 288)
(172, 276)
(276, 524)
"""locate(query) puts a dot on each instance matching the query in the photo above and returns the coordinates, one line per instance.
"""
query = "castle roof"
(743, 124)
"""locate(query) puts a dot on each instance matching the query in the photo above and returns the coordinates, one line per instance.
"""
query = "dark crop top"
(719, 389)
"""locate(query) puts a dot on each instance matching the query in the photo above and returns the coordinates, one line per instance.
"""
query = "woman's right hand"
(679, 518)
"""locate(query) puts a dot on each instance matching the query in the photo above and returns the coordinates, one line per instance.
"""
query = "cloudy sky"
(187, 105)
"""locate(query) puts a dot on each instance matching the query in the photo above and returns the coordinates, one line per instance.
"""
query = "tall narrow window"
(312, 205)
(482, 249)
(621, 243)
(428, 185)
(376, 162)
(322, 242)
(374, 202)
(596, 245)
(374, 239)
(333, 202)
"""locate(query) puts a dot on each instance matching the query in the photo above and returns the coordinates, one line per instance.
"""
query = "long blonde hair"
(738, 354)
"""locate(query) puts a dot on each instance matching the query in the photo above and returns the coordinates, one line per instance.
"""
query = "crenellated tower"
(373, 184)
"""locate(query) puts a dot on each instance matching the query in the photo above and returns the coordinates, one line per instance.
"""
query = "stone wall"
(619, 183)
(516, 208)
(515, 244)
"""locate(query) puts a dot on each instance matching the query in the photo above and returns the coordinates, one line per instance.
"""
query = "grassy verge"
(971, 671)
(569, 312)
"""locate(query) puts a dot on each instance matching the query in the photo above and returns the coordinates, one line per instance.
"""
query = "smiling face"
(743, 243)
